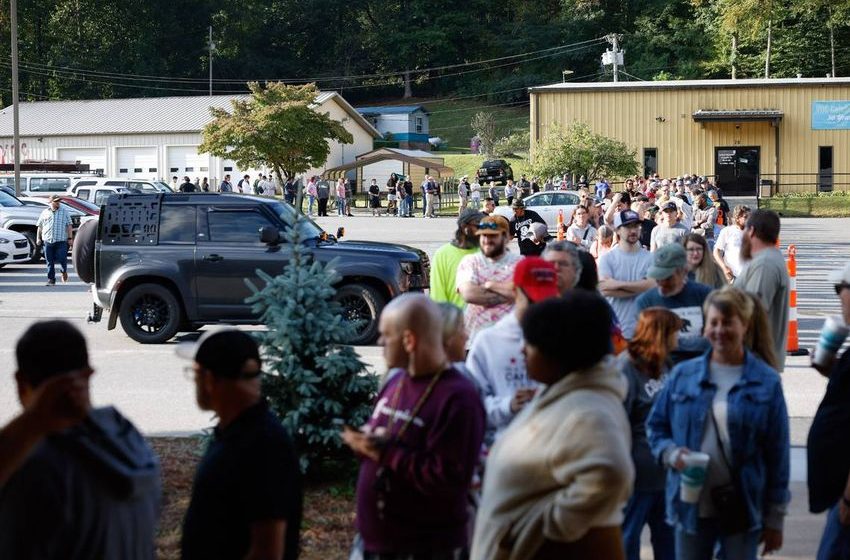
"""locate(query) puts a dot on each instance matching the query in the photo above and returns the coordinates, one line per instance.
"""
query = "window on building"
(122, 170)
(205, 168)
(236, 226)
(228, 168)
(419, 125)
(650, 161)
(175, 169)
(177, 224)
(825, 178)
(151, 169)
(190, 169)
(137, 170)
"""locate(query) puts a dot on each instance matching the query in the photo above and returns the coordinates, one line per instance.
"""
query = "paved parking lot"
(147, 383)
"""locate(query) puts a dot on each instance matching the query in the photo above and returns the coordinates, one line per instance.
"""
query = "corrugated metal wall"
(662, 119)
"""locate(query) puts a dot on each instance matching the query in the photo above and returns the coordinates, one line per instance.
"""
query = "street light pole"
(16, 133)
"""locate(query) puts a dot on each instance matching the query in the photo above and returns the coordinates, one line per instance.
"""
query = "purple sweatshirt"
(428, 472)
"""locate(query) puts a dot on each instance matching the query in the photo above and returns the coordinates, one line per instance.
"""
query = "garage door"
(185, 160)
(94, 157)
(137, 162)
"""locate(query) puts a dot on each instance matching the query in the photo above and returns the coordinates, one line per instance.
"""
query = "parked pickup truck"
(165, 263)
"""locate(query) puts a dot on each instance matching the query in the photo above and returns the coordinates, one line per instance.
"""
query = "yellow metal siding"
(663, 119)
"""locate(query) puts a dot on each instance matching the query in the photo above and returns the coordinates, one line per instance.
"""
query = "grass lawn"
(450, 119)
(327, 528)
(468, 164)
(808, 207)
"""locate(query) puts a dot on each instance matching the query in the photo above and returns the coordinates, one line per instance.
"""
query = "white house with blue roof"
(405, 124)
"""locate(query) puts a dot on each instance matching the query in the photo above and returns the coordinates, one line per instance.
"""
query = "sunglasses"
(839, 287)
(488, 225)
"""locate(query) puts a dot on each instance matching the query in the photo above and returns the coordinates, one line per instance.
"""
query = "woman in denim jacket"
(729, 404)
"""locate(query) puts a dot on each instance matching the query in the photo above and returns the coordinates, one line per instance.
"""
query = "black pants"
(323, 207)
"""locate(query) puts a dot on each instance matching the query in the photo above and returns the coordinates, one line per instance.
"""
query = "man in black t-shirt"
(523, 218)
(247, 494)
(828, 444)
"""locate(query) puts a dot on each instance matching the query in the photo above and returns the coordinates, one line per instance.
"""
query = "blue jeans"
(311, 199)
(835, 543)
(742, 546)
(56, 253)
(647, 508)
(340, 206)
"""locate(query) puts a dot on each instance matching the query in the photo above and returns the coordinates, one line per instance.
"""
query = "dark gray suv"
(165, 263)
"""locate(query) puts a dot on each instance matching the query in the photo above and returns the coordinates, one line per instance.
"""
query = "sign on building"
(830, 115)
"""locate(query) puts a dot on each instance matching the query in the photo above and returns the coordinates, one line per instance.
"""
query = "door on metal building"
(737, 170)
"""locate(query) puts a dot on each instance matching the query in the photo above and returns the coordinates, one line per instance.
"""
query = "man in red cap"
(496, 360)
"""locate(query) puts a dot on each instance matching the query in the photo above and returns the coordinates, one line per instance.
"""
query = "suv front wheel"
(361, 303)
(150, 314)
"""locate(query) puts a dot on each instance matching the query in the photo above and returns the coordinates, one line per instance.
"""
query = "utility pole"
(211, 46)
(614, 56)
(16, 132)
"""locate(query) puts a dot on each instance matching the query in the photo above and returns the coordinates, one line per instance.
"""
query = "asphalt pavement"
(147, 383)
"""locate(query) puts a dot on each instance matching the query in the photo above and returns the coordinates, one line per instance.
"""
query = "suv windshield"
(307, 228)
(9, 201)
(163, 187)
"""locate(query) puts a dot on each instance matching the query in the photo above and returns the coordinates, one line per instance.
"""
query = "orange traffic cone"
(560, 225)
(793, 345)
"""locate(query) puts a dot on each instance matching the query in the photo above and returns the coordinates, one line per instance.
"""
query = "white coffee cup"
(832, 336)
(692, 477)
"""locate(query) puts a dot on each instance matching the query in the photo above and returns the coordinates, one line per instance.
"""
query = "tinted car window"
(562, 199)
(84, 184)
(101, 196)
(177, 224)
(9, 200)
(115, 183)
(84, 193)
(235, 226)
(539, 200)
(49, 184)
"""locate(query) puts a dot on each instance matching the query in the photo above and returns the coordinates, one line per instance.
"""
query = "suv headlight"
(409, 268)
(4, 240)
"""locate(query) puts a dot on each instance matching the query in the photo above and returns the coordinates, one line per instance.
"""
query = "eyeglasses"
(841, 286)
(488, 225)
(563, 264)
(695, 250)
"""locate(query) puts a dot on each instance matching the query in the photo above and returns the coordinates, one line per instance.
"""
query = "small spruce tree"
(312, 380)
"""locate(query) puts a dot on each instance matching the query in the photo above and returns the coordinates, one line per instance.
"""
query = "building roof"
(410, 153)
(736, 115)
(391, 110)
(383, 155)
(692, 84)
(137, 115)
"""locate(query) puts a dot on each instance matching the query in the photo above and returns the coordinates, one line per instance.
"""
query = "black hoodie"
(91, 492)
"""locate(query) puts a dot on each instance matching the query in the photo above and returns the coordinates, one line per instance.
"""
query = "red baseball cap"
(537, 278)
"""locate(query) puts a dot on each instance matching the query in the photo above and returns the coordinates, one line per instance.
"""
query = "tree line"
(377, 50)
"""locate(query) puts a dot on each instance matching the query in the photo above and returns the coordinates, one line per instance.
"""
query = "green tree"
(484, 126)
(579, 150)
(277, 127)
(312, 380)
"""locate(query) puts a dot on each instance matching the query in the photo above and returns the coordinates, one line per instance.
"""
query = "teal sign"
(830, 115)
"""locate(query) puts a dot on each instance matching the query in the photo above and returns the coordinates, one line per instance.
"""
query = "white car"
(98, 189)
(547, 204)
(14, 248)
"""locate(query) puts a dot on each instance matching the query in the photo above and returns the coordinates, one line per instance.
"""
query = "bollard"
(560, 225)
(793, 345)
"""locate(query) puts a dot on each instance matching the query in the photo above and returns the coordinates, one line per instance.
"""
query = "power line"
(155, 78)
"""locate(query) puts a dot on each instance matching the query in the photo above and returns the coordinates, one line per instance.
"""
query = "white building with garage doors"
(152, 138)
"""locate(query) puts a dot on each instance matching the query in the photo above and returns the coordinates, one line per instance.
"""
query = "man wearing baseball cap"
(675, 292)
(622, 272)
(669, 230)
(520, 224)
(247, 494)
(53, 230)
(828, 444)
(447, 258)
(495, 358)
(485, 278)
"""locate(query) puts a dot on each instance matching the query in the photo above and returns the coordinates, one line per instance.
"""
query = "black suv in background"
(497, 170)
(165, 263)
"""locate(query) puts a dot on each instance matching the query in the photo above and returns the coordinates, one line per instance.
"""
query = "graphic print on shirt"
(654, 386)
(393, 415)
(515, 374)
(691, 321)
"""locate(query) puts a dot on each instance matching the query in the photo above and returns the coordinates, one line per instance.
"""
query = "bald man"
(421, 446)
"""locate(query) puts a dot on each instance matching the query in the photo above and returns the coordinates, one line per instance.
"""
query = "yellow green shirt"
(443, 270)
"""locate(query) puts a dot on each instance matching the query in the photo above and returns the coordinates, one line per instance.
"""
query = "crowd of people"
(541, 405)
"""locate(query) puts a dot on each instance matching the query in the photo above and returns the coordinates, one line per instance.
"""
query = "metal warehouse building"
(151, 138)
(788, 135)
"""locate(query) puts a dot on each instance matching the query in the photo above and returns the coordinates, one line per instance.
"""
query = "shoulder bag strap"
(719, 441)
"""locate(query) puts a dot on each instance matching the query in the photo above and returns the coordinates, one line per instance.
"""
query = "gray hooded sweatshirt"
(91, 492)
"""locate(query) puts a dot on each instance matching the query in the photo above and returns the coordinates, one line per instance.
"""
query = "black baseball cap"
(629, 217)
(224, 352)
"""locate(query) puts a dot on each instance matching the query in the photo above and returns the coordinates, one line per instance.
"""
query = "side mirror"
(269, 235)
(340, 232)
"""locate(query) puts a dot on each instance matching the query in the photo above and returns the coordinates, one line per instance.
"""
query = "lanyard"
(417, 407)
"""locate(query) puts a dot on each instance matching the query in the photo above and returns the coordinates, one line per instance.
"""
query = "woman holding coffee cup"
(727, 404)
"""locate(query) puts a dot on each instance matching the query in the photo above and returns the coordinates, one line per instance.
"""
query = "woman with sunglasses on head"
(701, 265)
(727, 404)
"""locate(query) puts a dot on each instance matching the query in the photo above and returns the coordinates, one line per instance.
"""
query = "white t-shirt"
(729, 241)
(627, 267)
(585, 235)
(725, 377)
(478, 269)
